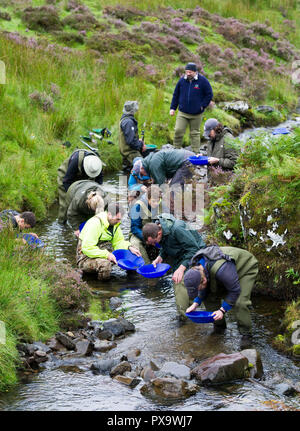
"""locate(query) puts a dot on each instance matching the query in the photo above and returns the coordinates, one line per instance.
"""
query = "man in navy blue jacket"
(192, 94)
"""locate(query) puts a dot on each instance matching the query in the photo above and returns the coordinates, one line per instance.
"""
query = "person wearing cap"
(220, 150)
(178, 243)
(84, 199)
(101, 235)
(234, 270)
(129, 143)
(192, 94)
(81, 165)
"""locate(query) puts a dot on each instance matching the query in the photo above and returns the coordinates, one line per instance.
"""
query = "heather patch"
(44, 18)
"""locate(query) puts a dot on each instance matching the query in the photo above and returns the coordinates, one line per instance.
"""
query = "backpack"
(212, 253)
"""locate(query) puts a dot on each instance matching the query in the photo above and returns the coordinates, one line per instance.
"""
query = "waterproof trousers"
(193, 121)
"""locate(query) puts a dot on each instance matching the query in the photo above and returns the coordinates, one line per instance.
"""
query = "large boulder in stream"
(168, 388)
(222, 368)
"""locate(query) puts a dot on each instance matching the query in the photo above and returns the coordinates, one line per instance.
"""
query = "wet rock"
(132, 382)
(148, 374)
(221, 368)
(65, 340)
(104, 345)
(40, 356)
(121, 368)
(41, 346)
(115, 302)
(169, 388)
(71, 369)
(84, 347)
(155, 364)
(104, 334)
(133, 354)
(103, 366)
(27, 348)
(114, 326)
(55, 345)
(95, 324)
(128, 326)
(254, 362)
(173, 369)
(285, 389)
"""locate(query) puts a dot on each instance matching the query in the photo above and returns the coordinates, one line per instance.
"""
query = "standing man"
(192, 94)
(129, 143)
(81, 165)
(178, 245)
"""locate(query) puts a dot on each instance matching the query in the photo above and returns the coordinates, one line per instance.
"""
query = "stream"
(150, 305)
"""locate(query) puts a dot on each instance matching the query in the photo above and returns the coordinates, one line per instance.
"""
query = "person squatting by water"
(101, 235)
(81, 165)
(11, 219)
(84, 199)
(130, 145)
(192, 94)
(178, 243)
(220, 150)
(231, 269)
(143, 211)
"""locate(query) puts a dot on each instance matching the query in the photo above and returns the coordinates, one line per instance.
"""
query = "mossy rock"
(296, 350)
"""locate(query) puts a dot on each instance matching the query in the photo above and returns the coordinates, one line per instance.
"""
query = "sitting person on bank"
(84, 199)
(220, 150)
(145, 210)
(101, 235)
(11, 219)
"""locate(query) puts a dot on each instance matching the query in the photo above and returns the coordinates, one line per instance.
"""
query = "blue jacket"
(192, 97)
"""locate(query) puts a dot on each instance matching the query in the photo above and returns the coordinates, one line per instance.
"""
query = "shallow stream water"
(150, 305)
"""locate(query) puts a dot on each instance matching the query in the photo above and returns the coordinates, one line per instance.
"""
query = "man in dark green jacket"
(220, 150)
(178, 244)
(164, 164)
(229, 268)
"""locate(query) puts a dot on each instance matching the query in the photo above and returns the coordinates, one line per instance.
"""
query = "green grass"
(26, 308)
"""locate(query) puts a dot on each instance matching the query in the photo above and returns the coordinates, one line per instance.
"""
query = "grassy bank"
(37, 297)
(74, 69)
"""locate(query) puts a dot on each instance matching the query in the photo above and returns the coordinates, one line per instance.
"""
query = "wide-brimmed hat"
(209, 125)
(92, 166)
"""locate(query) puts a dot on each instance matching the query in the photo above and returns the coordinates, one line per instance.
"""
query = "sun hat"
(92, 166)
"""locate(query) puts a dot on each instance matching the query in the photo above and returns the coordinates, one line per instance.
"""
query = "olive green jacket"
(223, 150)
(77, 194)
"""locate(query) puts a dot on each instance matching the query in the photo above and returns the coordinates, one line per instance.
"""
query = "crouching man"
(229, 268)
(99, 237)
